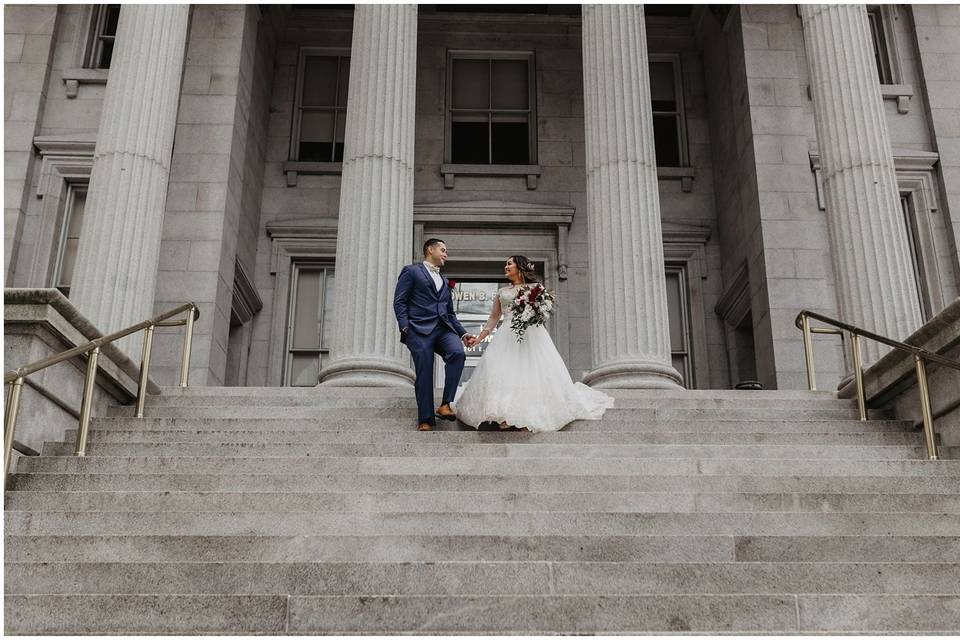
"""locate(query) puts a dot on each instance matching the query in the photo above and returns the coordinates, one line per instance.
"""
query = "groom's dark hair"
(430, 242)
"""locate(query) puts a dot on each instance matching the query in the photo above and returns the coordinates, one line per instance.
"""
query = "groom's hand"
(469, 339)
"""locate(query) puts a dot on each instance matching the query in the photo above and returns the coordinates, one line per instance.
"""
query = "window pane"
(471, 84)
(106, 54)
(327, 311)
(510, 89)
(338, 142)
(76, 215)
(304, 369)
(316, 136)
(662, 87)
(469, 142)
(675, 310)
(111, 20)
(344, 82)
(511, 142)
(306, 313)
(666, 138)
(880, 53)
(319, 81)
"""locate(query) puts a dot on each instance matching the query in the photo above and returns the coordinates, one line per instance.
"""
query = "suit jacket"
(419, 306)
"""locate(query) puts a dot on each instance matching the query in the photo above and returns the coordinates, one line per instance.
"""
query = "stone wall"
(209, 199)
(28, 35)
(936, 44)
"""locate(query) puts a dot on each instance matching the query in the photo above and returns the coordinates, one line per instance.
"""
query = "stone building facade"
(687, 178)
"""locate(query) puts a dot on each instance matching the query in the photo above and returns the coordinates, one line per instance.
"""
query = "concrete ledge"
(891, 382)
(39, 323)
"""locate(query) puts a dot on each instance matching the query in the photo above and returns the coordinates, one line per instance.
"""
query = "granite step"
(407, 401)
(515, 614)
(399, 415)
(691, 465)
(393, 426)
(477, 502)
(257, 481)
(481, 578)
(488, 523)
(204, 437)
(493, 450)
(473, 548)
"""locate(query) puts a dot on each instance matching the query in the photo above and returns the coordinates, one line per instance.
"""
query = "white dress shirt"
(435, 274)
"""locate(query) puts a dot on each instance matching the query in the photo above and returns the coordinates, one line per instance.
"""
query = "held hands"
(469, 340)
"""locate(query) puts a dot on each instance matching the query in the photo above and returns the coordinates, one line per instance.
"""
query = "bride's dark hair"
(525, 269)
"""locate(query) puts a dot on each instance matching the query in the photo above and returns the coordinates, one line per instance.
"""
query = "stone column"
(631, 336)
(375, 229)
(116, 270)
(875, 283)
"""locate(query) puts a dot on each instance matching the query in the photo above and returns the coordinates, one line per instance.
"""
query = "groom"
(423, 304)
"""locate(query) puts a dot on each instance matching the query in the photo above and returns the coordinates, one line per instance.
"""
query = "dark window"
(491, 112)
(881, 48)
(103, 36)
(321, 108)
(668, 118)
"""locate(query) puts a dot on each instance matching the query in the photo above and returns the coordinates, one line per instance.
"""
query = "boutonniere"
(452, 284)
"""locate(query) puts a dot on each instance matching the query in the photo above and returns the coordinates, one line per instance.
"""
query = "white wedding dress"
(525, 384)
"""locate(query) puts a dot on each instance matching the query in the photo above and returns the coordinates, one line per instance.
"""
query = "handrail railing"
(91, 349)
(920, 356)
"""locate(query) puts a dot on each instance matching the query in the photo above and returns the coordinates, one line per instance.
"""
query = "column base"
(361, 372)
(634, 375)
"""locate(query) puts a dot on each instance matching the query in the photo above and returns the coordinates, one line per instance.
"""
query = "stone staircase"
(243, 511)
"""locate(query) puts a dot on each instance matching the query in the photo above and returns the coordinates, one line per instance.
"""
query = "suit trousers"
(445, 343)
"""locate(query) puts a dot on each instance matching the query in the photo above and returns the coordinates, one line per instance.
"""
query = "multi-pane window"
(490, 108)
(669, 123)
(320, 111)
(679, 319)
(309, 322)
(103, 34)
(70, 236)
(881, 44)
(916, 255)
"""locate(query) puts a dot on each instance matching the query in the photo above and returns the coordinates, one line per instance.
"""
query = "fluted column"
(375, 230)
(875, 283)
(631, 335)
(116, 270)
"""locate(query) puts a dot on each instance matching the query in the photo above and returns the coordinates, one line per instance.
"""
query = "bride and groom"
(523, 384)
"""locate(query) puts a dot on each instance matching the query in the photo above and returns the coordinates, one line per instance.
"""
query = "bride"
(524, 384)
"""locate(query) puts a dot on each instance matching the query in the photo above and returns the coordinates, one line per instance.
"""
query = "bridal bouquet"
(531, 307)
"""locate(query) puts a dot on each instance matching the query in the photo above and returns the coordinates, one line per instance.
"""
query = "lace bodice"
(507, 295)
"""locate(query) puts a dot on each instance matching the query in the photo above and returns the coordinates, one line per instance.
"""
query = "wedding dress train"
(525, 384)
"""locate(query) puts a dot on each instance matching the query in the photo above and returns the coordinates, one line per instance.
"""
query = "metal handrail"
(91, 349)
(920, 355)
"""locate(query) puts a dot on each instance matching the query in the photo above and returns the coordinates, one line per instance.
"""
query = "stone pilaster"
(631, 338)
(115, 275)
(375, 229)
(875, 282)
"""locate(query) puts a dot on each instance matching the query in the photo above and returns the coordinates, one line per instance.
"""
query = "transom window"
(669, 121)
(103, 34)
(74, 207)
(309, 322)
(320, 109)
(490, 108)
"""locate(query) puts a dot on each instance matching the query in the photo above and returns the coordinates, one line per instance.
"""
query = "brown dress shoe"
(424, 426)
(445, 415)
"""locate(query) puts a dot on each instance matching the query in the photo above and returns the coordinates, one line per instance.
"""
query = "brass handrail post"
(86, 406)
(808, 354)
(187, 343)
(858, 375)
(144, 370)
(928, 435)
(10, 422)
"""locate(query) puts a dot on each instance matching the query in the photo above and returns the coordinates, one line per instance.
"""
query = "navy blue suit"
(428, 325)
